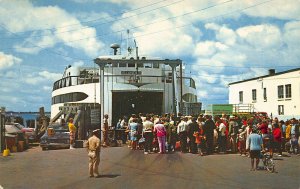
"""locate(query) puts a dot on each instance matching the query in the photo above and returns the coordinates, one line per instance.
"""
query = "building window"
(280, 92)
(265, 94)
(280, 110)
(253, 94)
(288, 91)
(241, 97)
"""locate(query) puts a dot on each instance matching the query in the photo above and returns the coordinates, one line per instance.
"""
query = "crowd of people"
(200, 135)
(203, 135)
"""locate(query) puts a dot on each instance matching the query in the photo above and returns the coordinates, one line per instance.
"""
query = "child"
(242, 141)
(200, 139)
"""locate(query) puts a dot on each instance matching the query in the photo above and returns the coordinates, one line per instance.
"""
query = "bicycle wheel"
(270, 165)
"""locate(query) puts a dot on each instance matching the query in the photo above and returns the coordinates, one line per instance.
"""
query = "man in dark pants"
(192, 128)
(182, 133)
(148, 134)
(208, 129)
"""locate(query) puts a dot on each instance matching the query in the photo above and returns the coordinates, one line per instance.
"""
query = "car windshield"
(59, 128)
(19, 126)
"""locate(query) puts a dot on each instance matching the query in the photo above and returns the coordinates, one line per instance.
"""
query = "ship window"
(147, 65)
(131, 65)
(155, 65)
(140, 65)
(122, 65)
(114, 64)
(69, 97)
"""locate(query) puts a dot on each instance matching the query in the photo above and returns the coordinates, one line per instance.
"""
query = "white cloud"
(47, 88)
(7, 60)
(18, 16)
(50, 76)
(287, 9)
(292, 34)
(261, 36)
(78, 64)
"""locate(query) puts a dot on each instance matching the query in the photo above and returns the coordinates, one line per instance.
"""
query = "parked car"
(56, 136)
(29, 132)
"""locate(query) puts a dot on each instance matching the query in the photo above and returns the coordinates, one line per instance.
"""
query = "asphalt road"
(123, 168)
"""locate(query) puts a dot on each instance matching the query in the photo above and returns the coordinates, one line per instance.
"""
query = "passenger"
(294, 136)
(249, 131)
(182, 132)
(161, 136)
(192, 128)
(174, 136)
(255, 145)
(140, 145)
(105, 130)
(93, 147)
(222, 137)
(232, 134)
(282, 127)
(72, 130)
(209, 128)
(242, 141)
(133, 127)
(277, 138)
(148, 134)
(200, 139)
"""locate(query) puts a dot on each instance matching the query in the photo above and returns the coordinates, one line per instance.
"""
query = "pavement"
(123, 168)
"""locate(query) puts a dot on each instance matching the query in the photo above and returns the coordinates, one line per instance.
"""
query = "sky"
(219, 41)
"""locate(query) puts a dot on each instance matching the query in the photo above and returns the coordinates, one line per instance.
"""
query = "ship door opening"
(127, 103)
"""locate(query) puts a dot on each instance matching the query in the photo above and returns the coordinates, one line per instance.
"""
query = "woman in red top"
(161, 133)
(277, 138)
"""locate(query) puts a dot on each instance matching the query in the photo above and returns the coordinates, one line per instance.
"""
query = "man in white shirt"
(182, 132)
(222, 137)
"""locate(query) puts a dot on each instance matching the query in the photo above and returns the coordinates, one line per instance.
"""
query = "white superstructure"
(278, 94)
(131, 85)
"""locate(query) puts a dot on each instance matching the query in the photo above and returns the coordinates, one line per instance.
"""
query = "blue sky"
(219, 41)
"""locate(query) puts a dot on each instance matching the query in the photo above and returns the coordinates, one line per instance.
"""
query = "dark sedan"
(56, 136)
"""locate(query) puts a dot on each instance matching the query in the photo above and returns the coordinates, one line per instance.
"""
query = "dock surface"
(123, 168)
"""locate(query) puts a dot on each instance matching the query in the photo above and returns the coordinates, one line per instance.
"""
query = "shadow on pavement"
(109, 176)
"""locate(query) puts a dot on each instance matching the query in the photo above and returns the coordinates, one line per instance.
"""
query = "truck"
(246, 110)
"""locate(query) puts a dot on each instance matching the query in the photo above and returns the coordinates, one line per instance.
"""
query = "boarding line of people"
(202, 135)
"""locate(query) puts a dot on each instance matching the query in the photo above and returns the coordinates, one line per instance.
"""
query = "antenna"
(136, 50)
(128, 50)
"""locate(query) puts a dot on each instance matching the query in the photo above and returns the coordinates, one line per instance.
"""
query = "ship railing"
(130, 79)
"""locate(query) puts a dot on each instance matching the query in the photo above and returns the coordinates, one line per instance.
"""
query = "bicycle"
(268, 162)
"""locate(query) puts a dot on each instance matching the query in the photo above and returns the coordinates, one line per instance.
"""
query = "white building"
(278, 94)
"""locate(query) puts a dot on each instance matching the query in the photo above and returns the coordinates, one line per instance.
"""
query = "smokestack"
(271, 72)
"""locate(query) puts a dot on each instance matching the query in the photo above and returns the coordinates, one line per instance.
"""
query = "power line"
(94, 20)
(54, 52)
(151, 23)
(103, 23)
(241, 67)
(181, 26)
(239, 10)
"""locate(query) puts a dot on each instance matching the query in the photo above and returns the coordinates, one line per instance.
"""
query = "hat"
(96, 130)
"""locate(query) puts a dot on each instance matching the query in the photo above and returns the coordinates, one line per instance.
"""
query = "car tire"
(44, 148)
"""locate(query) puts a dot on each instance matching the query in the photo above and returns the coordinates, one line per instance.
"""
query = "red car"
(28, 132)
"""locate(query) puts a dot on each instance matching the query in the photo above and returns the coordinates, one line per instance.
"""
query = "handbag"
(92, 154)
(142, 140)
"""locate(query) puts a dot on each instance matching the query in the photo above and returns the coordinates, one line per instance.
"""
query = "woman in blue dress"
(133, 126)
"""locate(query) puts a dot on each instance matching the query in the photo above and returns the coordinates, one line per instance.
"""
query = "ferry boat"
(131, 84)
